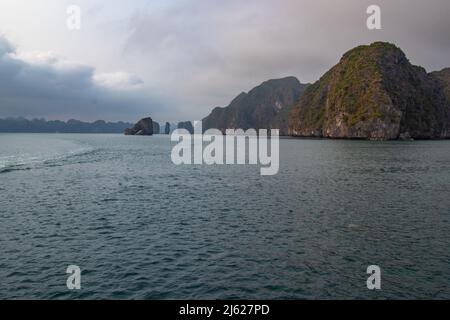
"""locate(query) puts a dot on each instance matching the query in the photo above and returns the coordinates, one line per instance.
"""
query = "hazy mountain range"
(265, 107)
(71, 126)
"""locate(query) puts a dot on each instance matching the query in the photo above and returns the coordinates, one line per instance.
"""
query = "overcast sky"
(176, 60)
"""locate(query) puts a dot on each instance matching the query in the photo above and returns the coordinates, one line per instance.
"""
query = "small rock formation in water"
(167, 128)
(156, 128)
(144, 127)
(186, 125)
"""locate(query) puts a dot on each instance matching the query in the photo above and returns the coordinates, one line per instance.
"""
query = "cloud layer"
(37, 84)
(176, 60)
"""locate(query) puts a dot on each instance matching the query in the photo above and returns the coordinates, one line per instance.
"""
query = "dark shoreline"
(281, 137)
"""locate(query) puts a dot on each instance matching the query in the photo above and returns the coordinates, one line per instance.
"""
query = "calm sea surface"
(140, 227)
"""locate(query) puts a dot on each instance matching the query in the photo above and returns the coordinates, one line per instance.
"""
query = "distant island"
(144, 127)
(22, 125)
(148, 127)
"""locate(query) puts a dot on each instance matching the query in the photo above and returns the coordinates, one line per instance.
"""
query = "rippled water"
(140, 227)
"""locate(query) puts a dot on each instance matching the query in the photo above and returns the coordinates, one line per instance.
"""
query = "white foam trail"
(26, 154)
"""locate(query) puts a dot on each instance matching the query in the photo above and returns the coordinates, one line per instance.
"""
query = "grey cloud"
(5, 46)
(205, 52)
(56, 89)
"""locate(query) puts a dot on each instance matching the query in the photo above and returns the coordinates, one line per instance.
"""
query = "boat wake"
(30, 162)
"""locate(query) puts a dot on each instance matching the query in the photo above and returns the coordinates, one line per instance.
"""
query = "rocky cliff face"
(443, 77)
(373, 93)
(144, 127)
(264, 107)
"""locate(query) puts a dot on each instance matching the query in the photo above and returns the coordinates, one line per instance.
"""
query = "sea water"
(140, 227)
